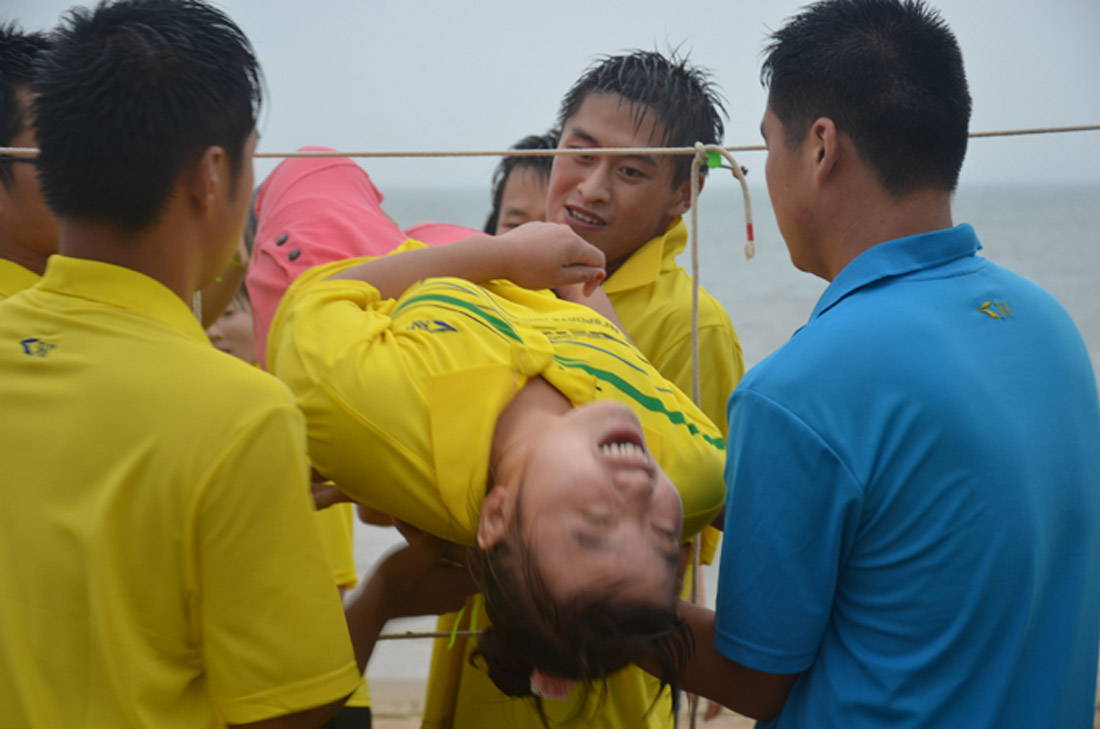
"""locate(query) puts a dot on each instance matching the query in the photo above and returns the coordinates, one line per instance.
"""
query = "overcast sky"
(364, 75)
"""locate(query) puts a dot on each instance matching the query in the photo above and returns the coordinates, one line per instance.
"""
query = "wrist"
(488, 256)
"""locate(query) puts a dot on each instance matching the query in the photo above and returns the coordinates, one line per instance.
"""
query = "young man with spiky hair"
(28, 231)
(158, 560)
(913, 503)
(630, 207)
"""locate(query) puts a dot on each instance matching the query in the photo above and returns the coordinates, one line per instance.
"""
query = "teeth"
(623, 449)
(584, 218)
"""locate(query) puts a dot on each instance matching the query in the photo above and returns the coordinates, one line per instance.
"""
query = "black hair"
(251, 223)
(684, 99)
(133, 92)
(888, 73)
(504, 169)
(585, 639)
(18, 51)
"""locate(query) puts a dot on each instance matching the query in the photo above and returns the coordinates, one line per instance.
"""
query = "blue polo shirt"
(913, 507)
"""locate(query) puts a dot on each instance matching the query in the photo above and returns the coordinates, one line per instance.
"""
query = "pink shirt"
(311, 210)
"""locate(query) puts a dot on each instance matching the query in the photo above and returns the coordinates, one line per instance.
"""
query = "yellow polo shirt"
(652, 298)
(14, 278)
(417, 385)
(159, 562)
(401, 398)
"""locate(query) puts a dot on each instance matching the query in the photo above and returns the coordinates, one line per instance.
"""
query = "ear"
(681, 199)
(209, 178)
(823, 145)
(496, 515)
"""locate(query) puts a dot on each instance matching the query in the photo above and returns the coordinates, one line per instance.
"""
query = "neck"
(161, 252)
(29, 259)
(859, 219)
(519, 425)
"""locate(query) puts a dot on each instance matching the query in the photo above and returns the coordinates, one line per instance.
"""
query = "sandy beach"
(398, 703)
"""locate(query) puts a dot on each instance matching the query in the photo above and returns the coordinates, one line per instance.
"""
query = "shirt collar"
(899, 257)
(122, 287)
(643, 266)
(14, 278)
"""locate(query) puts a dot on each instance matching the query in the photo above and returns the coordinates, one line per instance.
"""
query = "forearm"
(425, 577)
(710, 674)
(479, 258)
(366, 615)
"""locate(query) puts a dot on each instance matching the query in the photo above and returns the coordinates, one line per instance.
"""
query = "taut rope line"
(25, 152)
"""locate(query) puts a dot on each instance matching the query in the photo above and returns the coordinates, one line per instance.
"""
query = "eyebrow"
(671, 558)
(585, 136)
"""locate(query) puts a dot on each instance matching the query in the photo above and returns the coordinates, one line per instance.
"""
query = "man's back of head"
(889, 73)
(132, 93)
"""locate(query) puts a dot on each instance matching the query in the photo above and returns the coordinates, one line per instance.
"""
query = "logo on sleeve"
(37, 347)
(434, 326)
(996, 309)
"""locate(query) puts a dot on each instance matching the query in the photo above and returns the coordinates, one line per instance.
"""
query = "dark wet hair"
(684, 99)
(888, 73)
(18, 51)
(504, 169)
(586, 638)
(251, 223)
(133, 92)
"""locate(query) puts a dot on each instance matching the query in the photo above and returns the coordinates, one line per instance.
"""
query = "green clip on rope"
(454, 628)
(474, 609)
(714, 160)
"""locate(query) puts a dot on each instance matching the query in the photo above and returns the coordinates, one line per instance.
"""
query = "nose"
(594, 187)
(636, 486)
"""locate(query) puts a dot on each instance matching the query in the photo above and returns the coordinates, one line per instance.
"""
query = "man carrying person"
(913, 506)
(159, 560)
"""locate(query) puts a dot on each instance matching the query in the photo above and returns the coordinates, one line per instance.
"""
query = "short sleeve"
(721, 367)
(271, 626)
(792, 511)
(336, 526)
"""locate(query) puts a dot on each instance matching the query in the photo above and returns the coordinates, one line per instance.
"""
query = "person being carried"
(28, 230)
(444, 388)
(631, 208)
(913, 512)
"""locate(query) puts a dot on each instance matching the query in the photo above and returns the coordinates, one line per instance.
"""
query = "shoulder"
(222, 391)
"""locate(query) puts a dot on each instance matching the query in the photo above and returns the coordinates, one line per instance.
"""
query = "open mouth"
(626, 449)
(584, 218)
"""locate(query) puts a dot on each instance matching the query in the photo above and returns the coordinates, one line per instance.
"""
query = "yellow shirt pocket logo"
(996, 309)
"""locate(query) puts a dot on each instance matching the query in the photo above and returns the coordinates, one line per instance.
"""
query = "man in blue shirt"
(913, 508)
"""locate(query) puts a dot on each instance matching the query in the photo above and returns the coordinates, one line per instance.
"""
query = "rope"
(712, 155)
(25, 152)
(409, 635)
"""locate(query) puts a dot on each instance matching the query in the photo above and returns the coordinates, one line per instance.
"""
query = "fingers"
(326, 494)
(592, 284)
(408, 531)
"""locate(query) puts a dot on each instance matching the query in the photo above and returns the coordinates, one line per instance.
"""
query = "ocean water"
(1049, 234)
